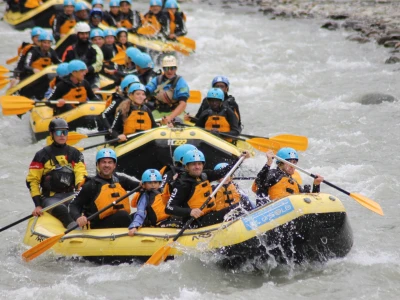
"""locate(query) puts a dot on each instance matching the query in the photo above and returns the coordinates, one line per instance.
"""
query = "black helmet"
(57, 123)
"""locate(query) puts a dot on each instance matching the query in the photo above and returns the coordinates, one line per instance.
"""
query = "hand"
(122, 138)
(270, 157)
(172, 36)
(186, 117)
(37, 212)
(166, 120)
(318, 180)
(36, 71)
(132, 231)
(246, 154)
(61, 103)
(108, 71)
(82, 221)
(196, 213)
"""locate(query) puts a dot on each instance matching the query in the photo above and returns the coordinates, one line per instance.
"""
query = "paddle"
(4, 70)
(4, 77)
(119, 58)
(364, 201)
(50, 242)
(161, 254)
(187, 42)
(12, 60)
(75, 137)
(43, 210)
(3, 83)
(297, 142)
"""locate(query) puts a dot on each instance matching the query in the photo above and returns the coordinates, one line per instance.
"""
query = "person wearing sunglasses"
(167, 94)
(55, 173)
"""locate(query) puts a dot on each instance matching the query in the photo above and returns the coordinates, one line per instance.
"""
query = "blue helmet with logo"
(151, 175)
(121, 29)
(143, 60)
(114, 3)
(69, 3)
(109, 32)
(222, 79)
(62, 70)
(220, 166)
(181, 150)
(96, 11)
(96, 32)
(80, 6)
(193, 156)
(94, 2)
(36, 31)
(155, 2)
(171, 4)
(45, 36)
(106, 153)
(132, 52)
(215, 93)
(76, 65)
(287, 154)
(128, 80)
(136, 87)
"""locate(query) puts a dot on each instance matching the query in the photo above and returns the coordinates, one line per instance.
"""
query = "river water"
(288, 76)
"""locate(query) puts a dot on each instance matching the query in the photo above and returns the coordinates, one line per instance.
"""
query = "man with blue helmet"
(280, 182)
(176, 19)
(218, 118)
(144, 67)
(113, 16)
(64, 21)
(95, 18)
(61, 71)
(222, 83)
(81, 12)
(192, 188)
(149, 202)
(100, 191)
(130, 19)
(98, 4)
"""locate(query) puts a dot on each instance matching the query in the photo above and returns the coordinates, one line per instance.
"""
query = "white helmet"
(169, 61)
(82, 27)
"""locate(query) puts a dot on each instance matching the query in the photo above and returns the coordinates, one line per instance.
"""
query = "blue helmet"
(76, 65)
(143, 60)
(181, 150)
(69, 3)
(216, 93)
(106, 153)
(45, 36)
(96, 32)
(136, 87)
(220, 79)
(114, 3)
(220, 166)
(36, 31)
(128, 1)
(121, 29)
(151, 175)
(96, 11)
(132, 52)
(94, 2)
(128, 80)
(171, 4)
(109, 32)
(155, 2)
(287, 154)
(80, 6)
(62, 70)
(193, 156)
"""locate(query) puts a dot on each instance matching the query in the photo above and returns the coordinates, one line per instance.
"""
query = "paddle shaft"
(210, 197)
(42, 211)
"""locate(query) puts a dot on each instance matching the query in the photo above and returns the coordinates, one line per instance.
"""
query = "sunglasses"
(169, 68)
(61, 132)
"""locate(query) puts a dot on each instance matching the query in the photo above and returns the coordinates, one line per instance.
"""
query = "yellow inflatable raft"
(293, 229)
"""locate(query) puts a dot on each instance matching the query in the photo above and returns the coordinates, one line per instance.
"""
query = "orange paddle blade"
(40, 248)
(3, 83)
(159, 256)
(187, 42)
(119, 58)
(368, 203)
(264, 145)
(195, 97)
(12, 60)
(147, 30)
(73, 138)
(298, 142)
(4, 69)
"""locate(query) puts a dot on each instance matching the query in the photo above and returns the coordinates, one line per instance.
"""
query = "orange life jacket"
(41, 63)
(200, 195)
(108, 194)
(52, 83)
(296, 176)
(226, 196)
(32, 3)
(51, 21)
(172, 24)
(78, 93)
(220, 123)
(23, 50)
(126, 23)
(67, 26)
(284, 187)
(137, 120)
(151, 21)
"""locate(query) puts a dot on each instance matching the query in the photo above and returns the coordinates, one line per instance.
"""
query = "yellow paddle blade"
(40, 248)
(73, 138)
(16, 99)
(147, 30)
(187, 42)
(4, 69)
(264, 145)
(159, 256)
(119, 58)
(368, 203)
(195, 97)
(12, 60)
(13, 112)
(3, 83)
(4, 77)
(298, 142)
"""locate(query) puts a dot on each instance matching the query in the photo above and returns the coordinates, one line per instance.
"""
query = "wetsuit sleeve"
(151, 86)
(128, 183)
(261, 179)
(118, 124)
(90, 94)
(140, 214)
(316, 188)
(109, 112)
(82, 199)
(34, 178)
(202, 119)
(28, 61)
(181, 91)
(56, 27)
(78, 163)
(54, 57)
(181, 29)
(59, 91)
(233, 122)
(177, 202)
(213, 175)
(204, 106)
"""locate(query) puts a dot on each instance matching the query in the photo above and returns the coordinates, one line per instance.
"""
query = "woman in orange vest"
(100, 191)
(130, 19)
(149, 202)
(280, 182)
(64, 21)
(176, 19)
(155, 21)
(132, 114)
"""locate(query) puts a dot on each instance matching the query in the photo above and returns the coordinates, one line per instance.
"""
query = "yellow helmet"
(169, 61)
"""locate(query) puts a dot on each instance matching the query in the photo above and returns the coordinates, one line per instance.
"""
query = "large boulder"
(376, 98)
